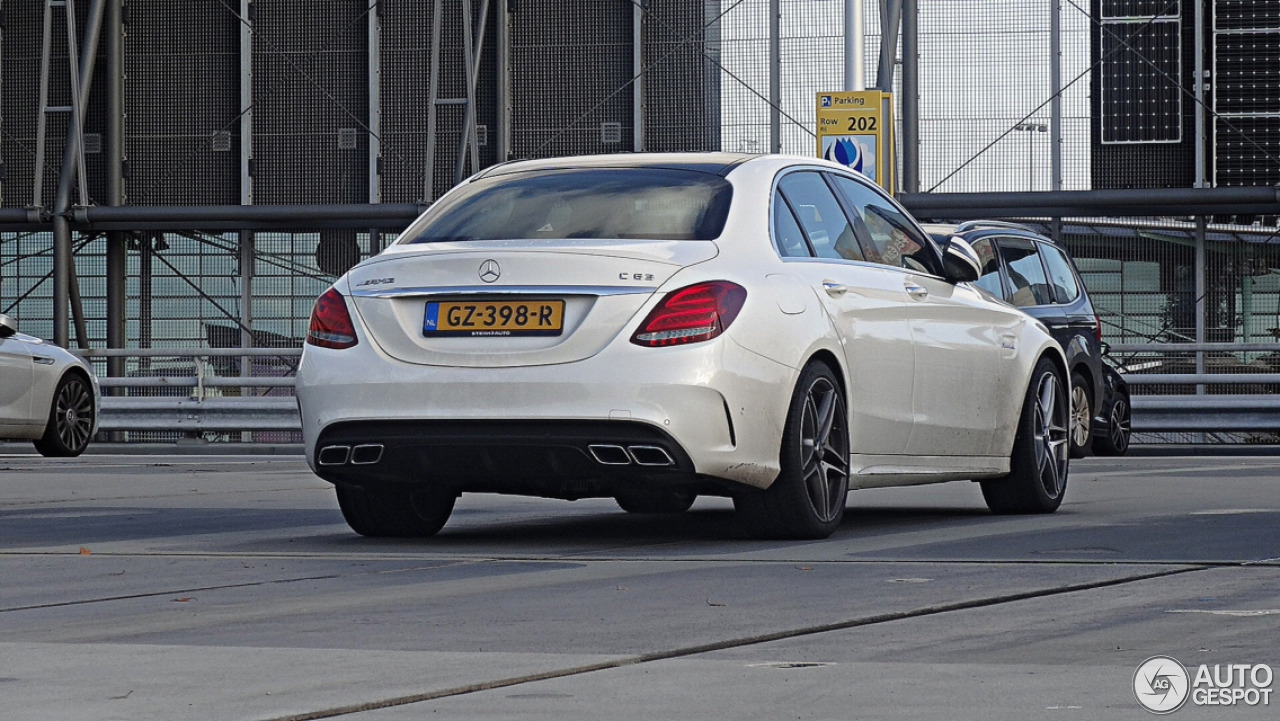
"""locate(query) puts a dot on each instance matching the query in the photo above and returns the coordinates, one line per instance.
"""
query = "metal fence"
(200, 106)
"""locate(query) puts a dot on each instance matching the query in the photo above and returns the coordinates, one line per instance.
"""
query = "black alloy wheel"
(1040, 459)
(661, 500)
(1115, 441)
(71, 416)
(808, 498)
(395, 511)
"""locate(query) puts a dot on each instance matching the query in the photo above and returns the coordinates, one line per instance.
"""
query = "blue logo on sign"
(826, 101)
(847, 153)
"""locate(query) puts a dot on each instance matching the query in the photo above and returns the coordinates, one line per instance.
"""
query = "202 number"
(862, 124)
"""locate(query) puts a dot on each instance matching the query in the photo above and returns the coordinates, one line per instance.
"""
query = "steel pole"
(854, 73)
(1202, 232)
(775, 76)
(63, 260)
(473, 46)
(245, 238)
(433, 90)
(1055, 105)
(375, 119)
(637, 74)
(375, 106)
(504, 81)
(116, 240)
(890, 19)
(910, 96)
(1202, 139)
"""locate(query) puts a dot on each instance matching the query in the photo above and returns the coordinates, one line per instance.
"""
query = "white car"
(46, 394)
(654, 327)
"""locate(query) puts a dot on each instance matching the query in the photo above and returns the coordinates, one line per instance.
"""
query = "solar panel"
(1141, 81)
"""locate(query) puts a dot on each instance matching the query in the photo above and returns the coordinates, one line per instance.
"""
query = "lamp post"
(1031, 148)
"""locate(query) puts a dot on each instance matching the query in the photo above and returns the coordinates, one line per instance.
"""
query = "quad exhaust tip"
(650, 456)
(366, 454)
(334, 455)
(610, 454)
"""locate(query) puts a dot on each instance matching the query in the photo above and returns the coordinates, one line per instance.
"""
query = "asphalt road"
(228, 587)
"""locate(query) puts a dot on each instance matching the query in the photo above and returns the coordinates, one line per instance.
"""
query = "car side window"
(990, 280)
(1026, 273)
(892, 237)
(786, 231)
(1065, 288)
(820, 216)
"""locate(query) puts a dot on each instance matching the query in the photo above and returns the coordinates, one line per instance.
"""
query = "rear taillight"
(1097, 328)
(696, 313)
(331, 325)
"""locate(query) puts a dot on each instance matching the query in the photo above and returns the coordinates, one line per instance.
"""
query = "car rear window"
(602, 203)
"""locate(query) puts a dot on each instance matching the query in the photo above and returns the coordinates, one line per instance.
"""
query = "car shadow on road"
(706, 529)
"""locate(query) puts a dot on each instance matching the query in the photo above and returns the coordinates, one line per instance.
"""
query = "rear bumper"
(716, 409)
(556, 459)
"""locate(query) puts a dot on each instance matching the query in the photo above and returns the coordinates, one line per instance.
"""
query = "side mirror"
(960, 263)
(8, 326)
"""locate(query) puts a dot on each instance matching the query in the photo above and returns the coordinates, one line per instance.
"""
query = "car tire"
(1081, 430)
(1115, 441)
(1040, 459)
(394, 511)
(663, 500)
(71, 416)
(807, 499)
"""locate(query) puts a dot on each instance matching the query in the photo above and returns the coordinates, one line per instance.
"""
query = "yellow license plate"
(494, 318)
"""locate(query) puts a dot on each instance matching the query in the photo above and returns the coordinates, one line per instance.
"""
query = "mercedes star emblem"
(490, 271)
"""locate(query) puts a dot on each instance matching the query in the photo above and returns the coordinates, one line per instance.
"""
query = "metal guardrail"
(221, 415)
(1210, 414)
(201, 412)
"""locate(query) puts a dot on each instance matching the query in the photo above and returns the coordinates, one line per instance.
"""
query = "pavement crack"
(733, 643)
(171, 592)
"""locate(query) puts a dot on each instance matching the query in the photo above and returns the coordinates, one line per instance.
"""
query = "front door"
(16, 376)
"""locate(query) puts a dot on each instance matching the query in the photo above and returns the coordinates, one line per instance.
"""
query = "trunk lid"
(511, 303)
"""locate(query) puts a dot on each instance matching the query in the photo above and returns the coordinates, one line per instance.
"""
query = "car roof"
(974, 229)
(713, 163)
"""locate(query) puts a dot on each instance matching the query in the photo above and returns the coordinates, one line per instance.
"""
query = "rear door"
(866, 303)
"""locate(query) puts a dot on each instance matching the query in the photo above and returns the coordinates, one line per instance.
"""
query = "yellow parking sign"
(855, 129)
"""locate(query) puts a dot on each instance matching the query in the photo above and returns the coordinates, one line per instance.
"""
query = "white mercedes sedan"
(47, 395)
(651, 328)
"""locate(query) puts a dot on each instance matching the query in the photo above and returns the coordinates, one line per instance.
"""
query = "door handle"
(835, 290)
(915, 291)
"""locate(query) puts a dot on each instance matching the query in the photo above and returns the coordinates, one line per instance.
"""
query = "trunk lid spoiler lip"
(557, 290)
